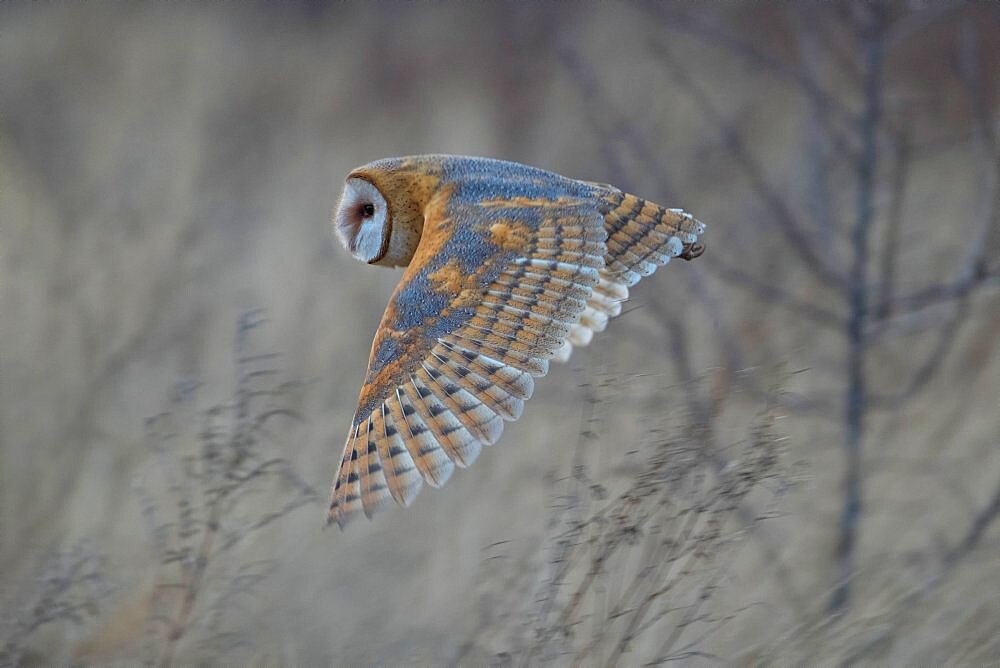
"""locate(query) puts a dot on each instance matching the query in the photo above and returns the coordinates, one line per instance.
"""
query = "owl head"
(380, 216)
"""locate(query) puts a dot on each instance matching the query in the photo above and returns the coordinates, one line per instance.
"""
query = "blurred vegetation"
(66, 591)
(218, 484)
(784, 452)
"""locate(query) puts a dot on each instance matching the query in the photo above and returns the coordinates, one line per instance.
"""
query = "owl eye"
(368, 210)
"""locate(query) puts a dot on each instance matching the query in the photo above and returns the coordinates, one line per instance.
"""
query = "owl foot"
(691, 251)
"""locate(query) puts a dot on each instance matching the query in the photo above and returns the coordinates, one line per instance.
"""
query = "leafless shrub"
(638, 575)
(839, 235)
(67, 589)
(912, 623)
(197, 501)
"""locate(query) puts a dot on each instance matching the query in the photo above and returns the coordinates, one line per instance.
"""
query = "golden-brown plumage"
(507, 267)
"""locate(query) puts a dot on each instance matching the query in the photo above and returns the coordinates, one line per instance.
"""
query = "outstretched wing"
(501, 276)
(641, 236)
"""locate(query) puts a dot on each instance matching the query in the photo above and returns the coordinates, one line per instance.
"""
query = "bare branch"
(927, 370)
(890, 245)
(856, 392)
(974, 271)
(910, 323)
(618, 128)
(782, 215)
(773, 294)
(935, 294)
(982, 521)
(691, 24)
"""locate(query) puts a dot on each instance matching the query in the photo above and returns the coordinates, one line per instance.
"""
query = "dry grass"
(216, 480)
(67, 592)
(634, 572)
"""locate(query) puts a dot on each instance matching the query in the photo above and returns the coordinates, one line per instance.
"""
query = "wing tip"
(335, 515)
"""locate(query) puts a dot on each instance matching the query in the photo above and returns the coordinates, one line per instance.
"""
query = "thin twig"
(856, 392)
(783, 217)
(772, 294)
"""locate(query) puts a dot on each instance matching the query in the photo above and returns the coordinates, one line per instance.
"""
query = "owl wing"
(497, 284)
(641, 237)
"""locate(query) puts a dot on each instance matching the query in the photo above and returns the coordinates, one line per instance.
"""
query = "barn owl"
(507, 267)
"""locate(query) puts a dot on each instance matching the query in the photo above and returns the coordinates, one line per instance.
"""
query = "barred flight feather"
(643, 235)
(400, 472)
(429, 457)
(566, 309)
(500, 402)
(480, 421)
(540, 312)
(557, 286)
(460, 445)
(513, 381)
(542, 324)
(513, 319)
(535, 365)
(562, 271)
(347, 491)
(516, 340)
(511, 329)
(374, 488)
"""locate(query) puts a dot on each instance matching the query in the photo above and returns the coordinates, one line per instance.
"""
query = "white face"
(361, 220)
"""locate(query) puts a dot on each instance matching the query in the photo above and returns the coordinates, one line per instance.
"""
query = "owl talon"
(691, 251)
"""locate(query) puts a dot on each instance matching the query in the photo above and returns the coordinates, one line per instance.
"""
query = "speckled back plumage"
(507, 267)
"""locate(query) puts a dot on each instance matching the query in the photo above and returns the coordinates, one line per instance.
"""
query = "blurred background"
(787, 450)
